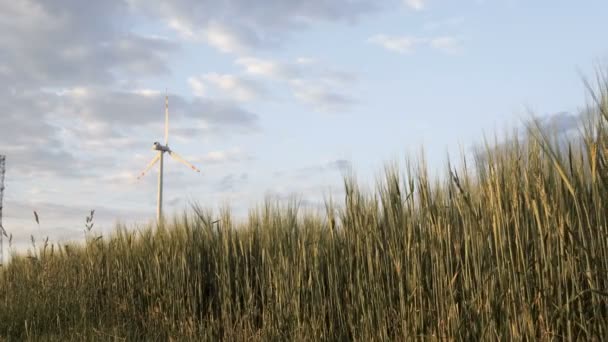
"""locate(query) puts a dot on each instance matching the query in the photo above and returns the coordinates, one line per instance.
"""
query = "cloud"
(416, 5)
(236, 38)
(224, 156)
(309, 82)
(234, 87)
(70, 43)
(560, 123)
(21, 121)
(341, 165)
(237, 26)
(124, 110)
(561, 128)
(41, 161)
(407, 44)
(403, 44)
(225, 40)
(232, 182)
(197, 85)
(319, 96)
(269, 68)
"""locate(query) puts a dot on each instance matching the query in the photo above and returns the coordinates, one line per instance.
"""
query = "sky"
(270, 99)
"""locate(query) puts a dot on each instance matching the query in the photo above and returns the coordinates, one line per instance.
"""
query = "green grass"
(513, 247)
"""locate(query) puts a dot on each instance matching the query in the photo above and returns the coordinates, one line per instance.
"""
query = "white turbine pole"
(2, 231)
(159, 209)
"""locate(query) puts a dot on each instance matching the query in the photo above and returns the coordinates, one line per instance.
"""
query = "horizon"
(272, 100)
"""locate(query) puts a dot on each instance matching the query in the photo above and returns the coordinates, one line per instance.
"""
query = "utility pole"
(2, 231)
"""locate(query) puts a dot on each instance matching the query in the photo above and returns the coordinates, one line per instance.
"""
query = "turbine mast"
(2, 231)
(159, 209)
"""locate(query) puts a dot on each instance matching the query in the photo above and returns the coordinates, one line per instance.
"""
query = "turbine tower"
(2, 231)
(162, 149)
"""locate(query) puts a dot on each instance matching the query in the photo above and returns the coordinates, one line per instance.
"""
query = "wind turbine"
(162, 149)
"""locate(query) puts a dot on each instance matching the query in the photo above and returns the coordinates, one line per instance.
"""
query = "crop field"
(511, 247)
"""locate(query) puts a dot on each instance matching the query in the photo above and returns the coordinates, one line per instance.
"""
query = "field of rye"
(511, 247)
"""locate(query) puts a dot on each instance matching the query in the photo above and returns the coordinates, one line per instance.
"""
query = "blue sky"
(268, 98)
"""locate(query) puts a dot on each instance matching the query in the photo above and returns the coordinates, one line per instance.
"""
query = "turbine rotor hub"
(160, 147)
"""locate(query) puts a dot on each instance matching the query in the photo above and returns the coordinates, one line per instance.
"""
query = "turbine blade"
(149, 166)
(166, 120)
(183, 161)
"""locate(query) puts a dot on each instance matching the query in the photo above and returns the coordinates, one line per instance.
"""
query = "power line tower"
(2, 231)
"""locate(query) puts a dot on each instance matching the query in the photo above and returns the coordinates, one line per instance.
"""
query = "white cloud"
(235, 154)
(222, 37)
(197, 86)
(309, 82)
(147, 92)
(65, 44)
(416, 5)
(404, 44)
(227, 85)
(236, 87)
(236, 26)
(407, 44)
(216, 156)
(182, 29)
(224, 40)
(305, 60)
(267, 68)
(320, 96)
